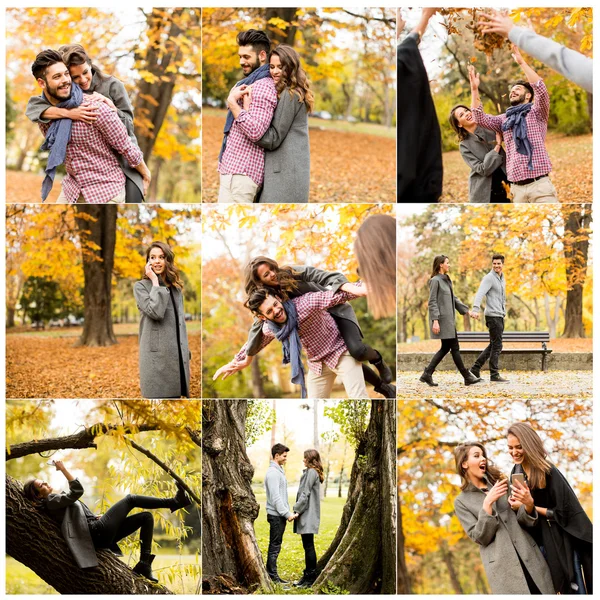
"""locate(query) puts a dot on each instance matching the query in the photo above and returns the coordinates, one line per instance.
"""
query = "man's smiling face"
(56, 82)
(272, 310)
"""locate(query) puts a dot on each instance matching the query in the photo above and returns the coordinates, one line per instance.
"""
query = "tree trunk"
(578, 219)
(342, 469)
(403, 579)
(447, 556)
(258, 388)
(288, 35)
(316, 424)
(10, 316)
(98, 233)
(362, 556)
(230, 553)
(36, 541)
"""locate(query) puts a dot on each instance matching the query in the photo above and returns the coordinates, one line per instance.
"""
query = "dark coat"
(502, 540)
(568, 529)
(287, 160)
(310, 279)
(442, 304)
(158, 347)
(66, 510)
(478, 152)
(308, 503)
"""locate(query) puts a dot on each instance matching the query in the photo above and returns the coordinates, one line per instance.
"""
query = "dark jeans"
(115, 524)
(496, 328)
(448, 345)
(310, 554)
(276, 530)
(358, 349)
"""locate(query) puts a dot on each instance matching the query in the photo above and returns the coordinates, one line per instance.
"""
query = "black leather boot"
(387, 390)
(470, 379)
(181, 499)
(475, 370)
(144, 567)
(310, 578)
(302, 580)
(384, 371)
(428, 379)
(114, 548)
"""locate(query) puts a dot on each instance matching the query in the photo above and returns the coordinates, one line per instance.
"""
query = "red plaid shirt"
(537, 126)
(319, 334)
(92, 167)
(242, 156)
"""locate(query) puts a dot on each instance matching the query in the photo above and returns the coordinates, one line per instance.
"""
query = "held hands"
(474, 315)
(435, 327)
(237, 93)
(473, 78)
(496, 22)
(293, 517)
(152, 276)
(87, 113)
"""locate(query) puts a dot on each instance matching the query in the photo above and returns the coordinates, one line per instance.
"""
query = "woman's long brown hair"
(534, 454)
(461, 454)
(74, 54)
(375, 248)
(313, 461)
(286, 277)
(437, 262)
(460, 131)
(293, 76)
(171, 275)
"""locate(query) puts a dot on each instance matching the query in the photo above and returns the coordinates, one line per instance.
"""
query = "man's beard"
(52, 92)
(517, 101)
(255, 66)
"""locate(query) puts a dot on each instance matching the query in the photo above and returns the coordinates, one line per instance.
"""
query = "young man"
(304, 323)
(241, 161)
(524, 127)
(493, 288)
(278, 508)
(94, 175)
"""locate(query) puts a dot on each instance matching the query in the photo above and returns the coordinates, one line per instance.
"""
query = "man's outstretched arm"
(241, 359)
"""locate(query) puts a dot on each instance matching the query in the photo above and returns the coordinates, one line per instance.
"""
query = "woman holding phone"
(505, 546)
(164, 352)
(564, 530)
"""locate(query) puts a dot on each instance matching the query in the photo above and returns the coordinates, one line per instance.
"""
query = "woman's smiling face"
(82, 75)
(275, 68)
(515, 449)
(476, 463)
(157, 260)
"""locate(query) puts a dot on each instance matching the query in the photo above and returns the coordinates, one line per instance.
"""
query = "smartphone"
(520, 477)
(51, 463)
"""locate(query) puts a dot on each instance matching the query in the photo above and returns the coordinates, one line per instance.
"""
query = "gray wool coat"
(310, 279)
(503, 539)
(442, 304)
(159, 352)
(478, 152)
(112, 88)
(287, 156)
(308, 503)
(66, 510)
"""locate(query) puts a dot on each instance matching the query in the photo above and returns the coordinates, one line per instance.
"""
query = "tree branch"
(195, 436)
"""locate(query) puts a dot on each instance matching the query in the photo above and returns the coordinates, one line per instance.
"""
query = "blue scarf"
(516, 120)
(260, 73)
(289, 337)
(57, 138)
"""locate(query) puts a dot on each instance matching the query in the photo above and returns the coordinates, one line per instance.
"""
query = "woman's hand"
(59, 465)
(514, 503)
(522, 493)
(87, 113)
(435, 327)
(496, 22)
(498, 490)
(106, 101)
(473, 78)
(152, 276)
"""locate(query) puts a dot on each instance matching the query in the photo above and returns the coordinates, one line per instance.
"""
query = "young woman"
(164, 351)
(483, 153)
(512, 561)
(442, 304)
(307, 514)
(85, 532)
(564, 530)
(107, 88)
(287, 160)
(290, 282)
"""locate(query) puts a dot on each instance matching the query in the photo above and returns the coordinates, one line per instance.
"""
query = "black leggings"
(115, 524)
(358, 349)
(448, 345)
(310, 554)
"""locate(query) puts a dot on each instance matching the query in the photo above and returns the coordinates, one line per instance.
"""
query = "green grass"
(22, 580)
(290, 564)
(333, 125)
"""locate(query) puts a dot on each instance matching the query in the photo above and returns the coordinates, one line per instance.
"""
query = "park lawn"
(290, 564)
(558, 345)
(22, 580)
(571, 158)
(339, 152)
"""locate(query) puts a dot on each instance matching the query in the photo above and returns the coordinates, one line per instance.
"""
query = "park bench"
(522, 337)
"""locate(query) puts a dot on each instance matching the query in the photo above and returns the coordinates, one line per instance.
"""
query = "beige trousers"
(237, 188)
(350, 372)
(62, 199)
(540, 191)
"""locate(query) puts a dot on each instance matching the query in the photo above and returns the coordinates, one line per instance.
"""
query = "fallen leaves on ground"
(571, 173)
(42, 367)
(24, 188)
(344, 167)
(557, 345)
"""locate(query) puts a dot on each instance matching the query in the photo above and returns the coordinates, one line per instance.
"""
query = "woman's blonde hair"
(534, 454)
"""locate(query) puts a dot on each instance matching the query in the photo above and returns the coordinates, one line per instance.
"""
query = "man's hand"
(106, 101)
(231, 368)
(435, 327)
(87, 113)
(473, 78)
(236, 93)
(517, 56)
(473, 314)
(496, 22)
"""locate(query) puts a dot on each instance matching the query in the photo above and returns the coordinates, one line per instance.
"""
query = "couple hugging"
(265, 155)
(307, 309)
(306, 513)
(87, 121)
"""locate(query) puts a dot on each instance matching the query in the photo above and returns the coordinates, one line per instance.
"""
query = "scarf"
(288, 335)
(57, 138)
(516, 120)
(260, 73)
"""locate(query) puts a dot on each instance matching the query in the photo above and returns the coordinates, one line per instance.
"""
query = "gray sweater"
(493, 287)
(276, 488)
(573, 65)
